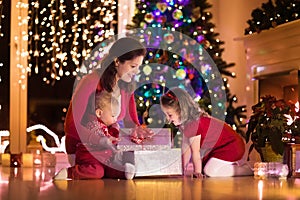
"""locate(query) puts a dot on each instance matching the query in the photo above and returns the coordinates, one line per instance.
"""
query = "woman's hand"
(140, 133)
(144, 132)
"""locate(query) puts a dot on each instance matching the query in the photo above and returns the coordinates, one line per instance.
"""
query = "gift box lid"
(161, 140)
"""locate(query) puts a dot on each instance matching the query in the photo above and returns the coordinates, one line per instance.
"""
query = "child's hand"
(142, 132)
(114, 140)
(107, 143)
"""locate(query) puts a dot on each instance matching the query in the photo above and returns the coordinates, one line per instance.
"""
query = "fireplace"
(273, 64)
(273, 61)
(282, 86)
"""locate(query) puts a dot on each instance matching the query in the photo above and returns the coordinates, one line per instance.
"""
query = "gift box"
(155, 163)
(161, 140)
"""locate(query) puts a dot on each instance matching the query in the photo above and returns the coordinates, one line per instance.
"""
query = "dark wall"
(4, 65)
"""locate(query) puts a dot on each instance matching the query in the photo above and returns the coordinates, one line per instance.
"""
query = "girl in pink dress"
(212, 145)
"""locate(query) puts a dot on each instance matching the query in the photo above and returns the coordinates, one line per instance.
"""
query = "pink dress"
(218, 139)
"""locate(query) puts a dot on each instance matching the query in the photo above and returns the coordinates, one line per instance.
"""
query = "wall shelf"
(274, 51)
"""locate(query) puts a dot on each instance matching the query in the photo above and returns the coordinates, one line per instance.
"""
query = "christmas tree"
(183, 51)
(272, 14)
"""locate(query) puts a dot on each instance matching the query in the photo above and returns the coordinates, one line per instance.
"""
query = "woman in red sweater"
(115, 75)
(211, 144)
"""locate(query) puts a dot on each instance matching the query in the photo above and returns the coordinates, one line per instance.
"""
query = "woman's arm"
(133, 110)
(80, 100)
(196, 158)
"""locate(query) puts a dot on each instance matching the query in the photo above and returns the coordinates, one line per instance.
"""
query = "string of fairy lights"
(54, 37)
(63, 33)
(1, 62)
(1, 35)
(272, 14)
(1, 16)
(21, 51)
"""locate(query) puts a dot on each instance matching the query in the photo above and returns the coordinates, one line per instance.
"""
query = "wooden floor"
(36, 183)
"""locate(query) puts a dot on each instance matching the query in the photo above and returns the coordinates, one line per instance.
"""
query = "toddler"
(100, 152)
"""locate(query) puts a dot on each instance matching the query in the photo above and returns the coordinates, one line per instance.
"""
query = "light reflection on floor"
(36, 183)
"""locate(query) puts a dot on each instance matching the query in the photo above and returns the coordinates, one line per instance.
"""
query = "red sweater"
(218, 139)
(78, 105)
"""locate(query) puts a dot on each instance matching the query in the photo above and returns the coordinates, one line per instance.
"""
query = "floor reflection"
(36, 183)
(25, 183)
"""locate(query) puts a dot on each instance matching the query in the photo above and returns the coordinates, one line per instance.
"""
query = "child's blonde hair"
(183, 104)
(98, 100)
(104, 98)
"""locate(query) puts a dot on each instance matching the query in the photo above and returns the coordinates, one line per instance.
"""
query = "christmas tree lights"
(61, 36)
(63, 33)
(192, 68)
(272, 14)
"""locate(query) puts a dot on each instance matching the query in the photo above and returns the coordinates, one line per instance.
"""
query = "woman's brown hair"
(123, 49)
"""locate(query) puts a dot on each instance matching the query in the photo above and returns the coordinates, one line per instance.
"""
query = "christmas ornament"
(189, 57)
(161, 19)
(162, 7)
(177, 14)
(206, 43)
(200, 38)
(191, 76)
(176, 64)
(150, 120)
(193, 42)
(180, 74)
(147, 70)
(191, 73)
(163, 58)
(143, 25)
(149, 18)
(169, 38)
(185, 43)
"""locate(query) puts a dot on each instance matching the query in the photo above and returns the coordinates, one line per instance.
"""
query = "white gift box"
(155, 163)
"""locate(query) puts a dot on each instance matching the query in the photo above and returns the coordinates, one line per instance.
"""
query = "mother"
(115, 75)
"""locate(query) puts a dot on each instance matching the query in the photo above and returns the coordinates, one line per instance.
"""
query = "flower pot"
(269, 155)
